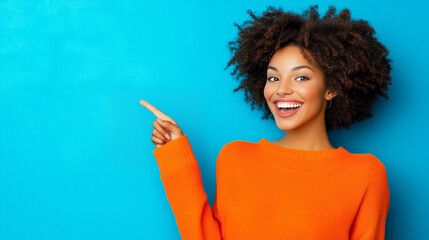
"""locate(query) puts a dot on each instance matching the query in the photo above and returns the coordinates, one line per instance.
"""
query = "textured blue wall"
(76, 157)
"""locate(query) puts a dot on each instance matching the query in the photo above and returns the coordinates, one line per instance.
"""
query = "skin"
(305, 129)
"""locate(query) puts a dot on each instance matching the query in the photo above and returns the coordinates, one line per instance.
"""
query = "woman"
(311, 75)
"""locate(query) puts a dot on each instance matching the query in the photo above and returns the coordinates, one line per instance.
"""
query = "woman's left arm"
(370, 220)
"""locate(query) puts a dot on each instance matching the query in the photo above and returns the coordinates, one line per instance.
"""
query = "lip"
(286, 100)
(288, 114)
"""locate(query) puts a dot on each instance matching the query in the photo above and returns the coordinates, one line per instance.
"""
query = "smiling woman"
(312, 75)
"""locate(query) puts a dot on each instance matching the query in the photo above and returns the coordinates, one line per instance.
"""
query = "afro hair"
(355, 63)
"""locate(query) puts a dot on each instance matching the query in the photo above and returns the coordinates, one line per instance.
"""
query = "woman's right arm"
(181, 177)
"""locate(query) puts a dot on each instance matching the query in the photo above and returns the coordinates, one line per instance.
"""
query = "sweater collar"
(300, 153)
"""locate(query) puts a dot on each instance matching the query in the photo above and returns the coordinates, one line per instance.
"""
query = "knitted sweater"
(265, 191)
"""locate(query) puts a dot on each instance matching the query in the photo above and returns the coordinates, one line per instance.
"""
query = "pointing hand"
(166, 129)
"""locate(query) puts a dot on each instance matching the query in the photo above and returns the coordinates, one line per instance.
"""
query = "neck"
(310, 136)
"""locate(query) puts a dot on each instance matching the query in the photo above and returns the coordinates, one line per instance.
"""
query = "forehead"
(290, 56)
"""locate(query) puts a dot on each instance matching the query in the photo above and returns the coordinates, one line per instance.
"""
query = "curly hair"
(355, 63)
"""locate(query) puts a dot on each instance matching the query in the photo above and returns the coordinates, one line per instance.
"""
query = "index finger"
(156, 111)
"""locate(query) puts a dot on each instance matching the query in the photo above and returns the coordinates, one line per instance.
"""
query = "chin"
(286, 126)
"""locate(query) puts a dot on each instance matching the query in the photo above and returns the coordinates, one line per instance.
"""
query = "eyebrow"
(293, 69)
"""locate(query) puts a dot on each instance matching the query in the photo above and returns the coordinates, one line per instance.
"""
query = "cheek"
(310, 93)
(268, 91)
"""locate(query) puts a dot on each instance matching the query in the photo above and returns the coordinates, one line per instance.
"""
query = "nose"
(284, 88)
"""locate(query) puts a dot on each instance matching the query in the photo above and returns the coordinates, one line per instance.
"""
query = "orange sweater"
(265, 191)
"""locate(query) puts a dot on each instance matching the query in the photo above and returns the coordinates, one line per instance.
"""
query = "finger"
(160, 129)
(156, 140)
(159, 135)
(156, 111)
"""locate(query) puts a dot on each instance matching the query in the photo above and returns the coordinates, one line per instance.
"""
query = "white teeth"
(288, 105)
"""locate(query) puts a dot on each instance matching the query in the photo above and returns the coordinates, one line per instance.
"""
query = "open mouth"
(288, 108)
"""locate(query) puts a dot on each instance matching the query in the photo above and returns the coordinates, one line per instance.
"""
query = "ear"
(329, 95)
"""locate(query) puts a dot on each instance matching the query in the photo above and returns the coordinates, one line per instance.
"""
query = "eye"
(303, 77)
(271, 78)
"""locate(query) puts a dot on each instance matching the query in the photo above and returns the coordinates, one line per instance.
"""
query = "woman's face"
(292, 78)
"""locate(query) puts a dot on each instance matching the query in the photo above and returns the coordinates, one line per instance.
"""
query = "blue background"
(76, 157)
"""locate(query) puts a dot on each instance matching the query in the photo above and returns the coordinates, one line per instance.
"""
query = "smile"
(287, 109)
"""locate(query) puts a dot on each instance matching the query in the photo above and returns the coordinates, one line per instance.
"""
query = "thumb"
(170, 126)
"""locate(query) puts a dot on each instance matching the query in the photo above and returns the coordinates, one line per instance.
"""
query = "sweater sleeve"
(370, 220)
(182, 182)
